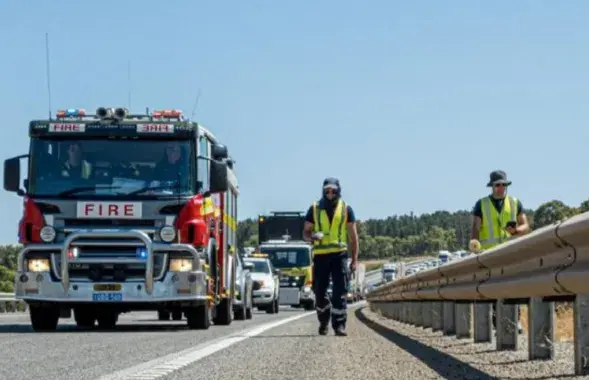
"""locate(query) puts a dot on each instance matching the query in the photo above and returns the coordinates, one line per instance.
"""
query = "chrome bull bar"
(70, 242)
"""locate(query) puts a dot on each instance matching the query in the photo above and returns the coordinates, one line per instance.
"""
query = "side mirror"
(219, 152)
(218, 177)
(257, 285)
(12, 175)
(276, 271)
(248, 266)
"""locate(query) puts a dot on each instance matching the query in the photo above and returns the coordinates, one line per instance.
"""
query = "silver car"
(267, 289)
(244, 284)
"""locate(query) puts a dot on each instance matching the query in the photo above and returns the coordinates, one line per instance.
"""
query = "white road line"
(163, 366)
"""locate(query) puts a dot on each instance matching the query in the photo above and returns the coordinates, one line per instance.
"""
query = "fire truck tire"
(44, 318)
(177, 315)
(224, 312)
(163, 315)
(107, 320)
(198, 317)
(84, 318)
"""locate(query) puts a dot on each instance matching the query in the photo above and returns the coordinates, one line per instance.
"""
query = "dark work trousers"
(332, 265)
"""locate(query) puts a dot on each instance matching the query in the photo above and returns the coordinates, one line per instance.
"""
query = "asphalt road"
(283, 346)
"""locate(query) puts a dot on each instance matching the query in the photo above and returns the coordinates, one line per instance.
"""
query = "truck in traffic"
(389, 272)
(125, 212)
(280, 235)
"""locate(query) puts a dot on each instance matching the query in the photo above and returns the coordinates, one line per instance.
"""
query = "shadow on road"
(27, 329)
(445, 365)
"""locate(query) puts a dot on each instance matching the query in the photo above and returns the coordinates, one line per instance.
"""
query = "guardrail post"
(506, 321)
(448, 324)
(418, 314)
(581, 316)
(540, 329)
(483, 328)
(437, 314)
(462, 316)
(426, 312)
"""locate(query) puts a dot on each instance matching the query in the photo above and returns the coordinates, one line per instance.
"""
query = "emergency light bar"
(167, 114)
(70, 112)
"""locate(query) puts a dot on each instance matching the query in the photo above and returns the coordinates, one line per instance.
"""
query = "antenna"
(195, 105)
(129, 85)
(48, 72)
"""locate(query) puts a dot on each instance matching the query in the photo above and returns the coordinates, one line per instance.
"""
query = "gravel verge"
(451, 358)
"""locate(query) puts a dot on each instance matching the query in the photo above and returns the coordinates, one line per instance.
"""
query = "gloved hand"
(317, 235)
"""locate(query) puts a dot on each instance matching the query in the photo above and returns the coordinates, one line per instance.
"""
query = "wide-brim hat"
(498, 177)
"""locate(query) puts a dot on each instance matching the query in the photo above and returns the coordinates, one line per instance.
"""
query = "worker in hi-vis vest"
(330, 225)
(76, 167)
(497, 218)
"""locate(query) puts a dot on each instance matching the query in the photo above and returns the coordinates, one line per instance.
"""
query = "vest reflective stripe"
(492, 231)
(335, 234)
(86, 169)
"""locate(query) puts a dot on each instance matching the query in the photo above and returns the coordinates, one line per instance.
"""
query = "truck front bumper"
(174, 286)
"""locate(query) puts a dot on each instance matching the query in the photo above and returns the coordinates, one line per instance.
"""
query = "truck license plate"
(107, 297)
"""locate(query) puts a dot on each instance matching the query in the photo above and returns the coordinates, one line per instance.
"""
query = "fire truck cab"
(125, 212)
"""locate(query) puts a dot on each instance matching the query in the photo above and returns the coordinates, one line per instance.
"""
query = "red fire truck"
(125, 212)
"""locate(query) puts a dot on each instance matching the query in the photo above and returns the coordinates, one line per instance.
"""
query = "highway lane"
(75, 354)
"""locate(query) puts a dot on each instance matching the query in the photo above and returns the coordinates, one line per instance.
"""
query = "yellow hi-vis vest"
(335, 234)
(86, 169)
(492, 231)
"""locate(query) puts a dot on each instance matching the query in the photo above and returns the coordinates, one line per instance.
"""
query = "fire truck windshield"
(288, 257)
(114, 167)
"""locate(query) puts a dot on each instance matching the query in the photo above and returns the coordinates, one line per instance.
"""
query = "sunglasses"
(330, 191)
(499, 185)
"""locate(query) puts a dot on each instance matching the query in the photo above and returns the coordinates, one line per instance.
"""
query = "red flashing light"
(167, 114)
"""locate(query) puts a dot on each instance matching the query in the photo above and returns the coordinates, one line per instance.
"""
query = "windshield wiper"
(147, 188)
(85, 188)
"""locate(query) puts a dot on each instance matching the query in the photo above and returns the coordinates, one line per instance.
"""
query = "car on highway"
(243, 303)
(265, 277)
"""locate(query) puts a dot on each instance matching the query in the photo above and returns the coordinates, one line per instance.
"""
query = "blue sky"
(411, 104)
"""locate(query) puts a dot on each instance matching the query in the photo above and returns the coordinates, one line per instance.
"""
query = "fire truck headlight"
(47, 234)
(168, 234)
(38, 265)
(180, 265)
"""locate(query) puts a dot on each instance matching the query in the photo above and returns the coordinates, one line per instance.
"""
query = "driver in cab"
(76, 167)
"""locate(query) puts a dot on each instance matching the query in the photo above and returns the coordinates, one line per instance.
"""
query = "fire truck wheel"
(163, 315)
(44, 318)
(198, 317)
(84, 318)
(177, 315)
(224, 312)
(107, 320)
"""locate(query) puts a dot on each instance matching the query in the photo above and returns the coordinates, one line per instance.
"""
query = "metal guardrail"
(10, 304)
(547, 265)
(7, 297)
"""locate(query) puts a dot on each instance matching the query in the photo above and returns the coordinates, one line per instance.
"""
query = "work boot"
(323, 330)
(340, 331)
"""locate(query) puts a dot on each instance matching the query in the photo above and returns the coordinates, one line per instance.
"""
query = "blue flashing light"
(142, 253)
(71, 112)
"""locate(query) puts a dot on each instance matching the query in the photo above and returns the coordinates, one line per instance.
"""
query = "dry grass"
(564, 321)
